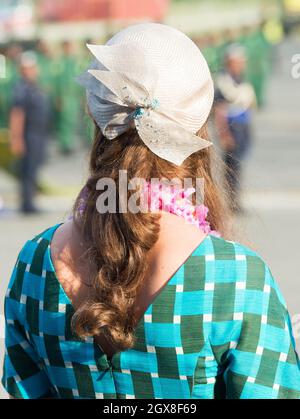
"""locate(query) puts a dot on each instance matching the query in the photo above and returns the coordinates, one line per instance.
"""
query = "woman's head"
(166, 142)
(152, 78)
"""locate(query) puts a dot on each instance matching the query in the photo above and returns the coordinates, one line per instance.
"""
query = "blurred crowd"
(40, 101)
(40, 81)
(57, 67)
(257, 41)
(241, 62)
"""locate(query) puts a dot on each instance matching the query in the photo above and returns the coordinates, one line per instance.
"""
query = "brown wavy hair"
(118, 243)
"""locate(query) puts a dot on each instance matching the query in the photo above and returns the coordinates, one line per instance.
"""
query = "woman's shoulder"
(237, 263)
(33, 262)
(225, 249)
(35, 247)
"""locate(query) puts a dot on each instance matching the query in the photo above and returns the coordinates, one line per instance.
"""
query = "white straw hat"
(155, 78)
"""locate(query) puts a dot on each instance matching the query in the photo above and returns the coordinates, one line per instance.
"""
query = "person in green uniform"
(12, 53)
(210, 50)
(67, 98)
(44, 58)
(258, 52)
(2, 82)
(47, 72)
(86, 128)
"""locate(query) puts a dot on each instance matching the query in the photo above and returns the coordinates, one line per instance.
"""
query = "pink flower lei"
(177, 201)
(171, 199)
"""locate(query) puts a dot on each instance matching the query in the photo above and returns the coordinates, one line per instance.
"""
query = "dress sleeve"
(23, 374)
(262, 362)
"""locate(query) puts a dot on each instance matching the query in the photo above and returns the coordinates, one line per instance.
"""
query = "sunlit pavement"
(271, 191)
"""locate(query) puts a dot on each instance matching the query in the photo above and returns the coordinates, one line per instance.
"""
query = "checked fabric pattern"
(219, 329)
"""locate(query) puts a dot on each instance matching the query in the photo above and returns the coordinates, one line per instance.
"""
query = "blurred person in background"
(29, 128)
(12, 52)
(68, 97)
(258, 50)
(210, 47)
(47, 73)
(234, 99)
(2, 78)
(2, 84)
(228, 38)
(86, 126)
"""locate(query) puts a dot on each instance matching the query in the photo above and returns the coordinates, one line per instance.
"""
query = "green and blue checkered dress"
(219, 329)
